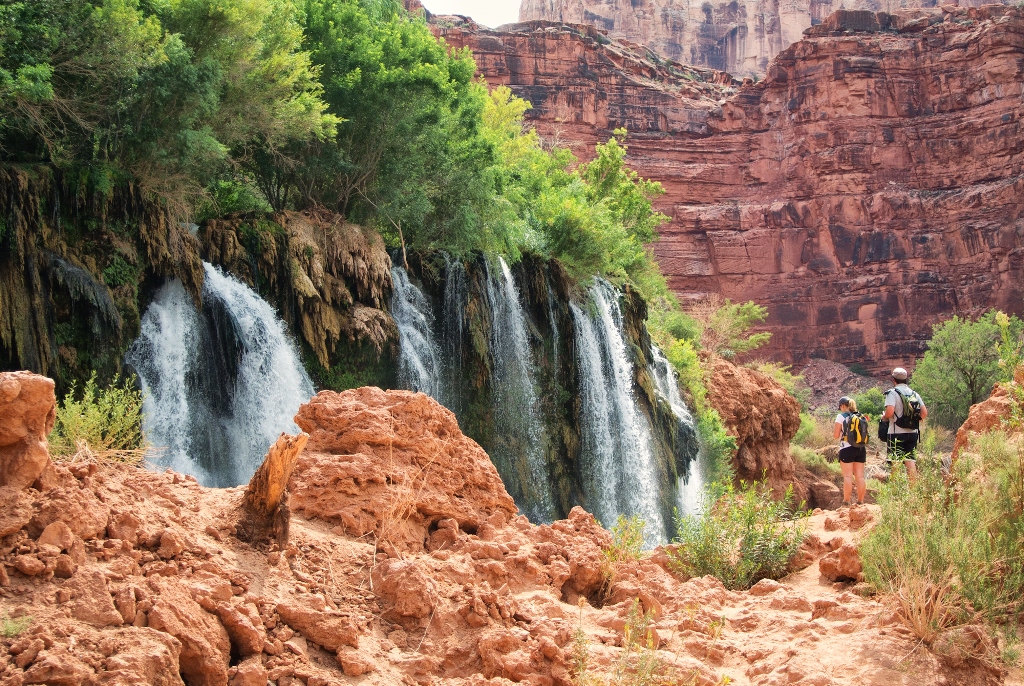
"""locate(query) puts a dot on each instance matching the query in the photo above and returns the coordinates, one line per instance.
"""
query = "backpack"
(855, 429)
(911, 417)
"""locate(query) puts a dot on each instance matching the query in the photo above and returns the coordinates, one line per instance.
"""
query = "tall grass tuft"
(949, 547)
(743, 536)
(104, 422)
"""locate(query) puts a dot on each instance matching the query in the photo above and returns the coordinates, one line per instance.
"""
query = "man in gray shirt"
(902, 443)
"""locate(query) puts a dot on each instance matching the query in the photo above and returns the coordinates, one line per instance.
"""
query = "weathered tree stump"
(265, 503)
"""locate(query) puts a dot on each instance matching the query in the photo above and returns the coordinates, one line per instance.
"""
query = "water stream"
(618, 455)
(220, 385)
(690, 486)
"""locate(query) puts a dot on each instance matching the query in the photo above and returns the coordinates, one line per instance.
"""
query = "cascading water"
(419, 359)
(456, 300)
(618, 455)
(218, 386)
(690, 487)
(520, 446)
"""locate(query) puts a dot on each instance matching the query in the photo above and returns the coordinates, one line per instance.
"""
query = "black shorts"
(901, 446)
(855, 453)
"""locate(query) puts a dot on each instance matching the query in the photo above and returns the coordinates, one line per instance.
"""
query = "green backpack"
(855, 429)
(911, 417)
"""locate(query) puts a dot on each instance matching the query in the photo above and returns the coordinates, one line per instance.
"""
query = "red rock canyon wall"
(738, 37)
(870, 186)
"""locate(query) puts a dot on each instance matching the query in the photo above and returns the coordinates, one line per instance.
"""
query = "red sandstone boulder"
(27, 413)
(205, 647)
(989, 414)
(842, 565)
(762, 416)
(393, 463)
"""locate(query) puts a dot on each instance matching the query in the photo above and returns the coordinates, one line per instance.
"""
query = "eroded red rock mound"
(992, 413)
(392, 463)
(761, 415)
(116, 575)
(27, 413)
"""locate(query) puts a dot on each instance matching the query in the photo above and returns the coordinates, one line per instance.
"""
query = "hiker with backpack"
(851, 429)
(904, 410)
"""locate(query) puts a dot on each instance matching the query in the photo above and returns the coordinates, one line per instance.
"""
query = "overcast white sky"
(490, 13)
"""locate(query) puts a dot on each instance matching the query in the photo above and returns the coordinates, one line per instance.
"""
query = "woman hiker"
(852, 458)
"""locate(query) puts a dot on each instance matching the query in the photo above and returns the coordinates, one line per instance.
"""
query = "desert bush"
(815, 463)
(815, 431)
(948, 546)
(870, 402)
(107, 421)
(725, 325)
(744, 535)
(627, 539)
(12, 627)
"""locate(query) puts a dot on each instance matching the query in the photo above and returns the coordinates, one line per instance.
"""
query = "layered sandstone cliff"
(738, 37)
(870, 186)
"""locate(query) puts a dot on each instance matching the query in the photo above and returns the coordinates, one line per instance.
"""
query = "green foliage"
(813, 461)
(743, 536)
(725, 326)
(949, 546)
(163, 93)
(12, 627)
(870, 402)
(815, 431)
(962, 363)
(119, 272)
(106, 419)
(627, 539)
(718, 446)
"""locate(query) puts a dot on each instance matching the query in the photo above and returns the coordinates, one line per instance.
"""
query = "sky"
(490, 13)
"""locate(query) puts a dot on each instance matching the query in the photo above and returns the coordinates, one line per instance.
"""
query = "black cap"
(845, 400)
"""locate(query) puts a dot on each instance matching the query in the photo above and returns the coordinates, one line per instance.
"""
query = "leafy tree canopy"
(963, 362)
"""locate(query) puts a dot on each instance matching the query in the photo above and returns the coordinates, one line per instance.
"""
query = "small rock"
(250, 672)
(57, 534)
(171, 545)
(354, 664)
(29, 565)
(764, 587)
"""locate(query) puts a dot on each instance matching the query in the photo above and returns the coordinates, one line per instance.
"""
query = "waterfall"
(456, 300)
(520, 445)
(690, 486)
(617, 461)
(419, 359)
(220, 385)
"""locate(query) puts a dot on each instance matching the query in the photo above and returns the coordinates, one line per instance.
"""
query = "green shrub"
(948, 546)
(627, 539)
(744, 535)
(12, 627)
(813, 461)
(719, 447)
(108, 420)
(870, 402)
(815, 431)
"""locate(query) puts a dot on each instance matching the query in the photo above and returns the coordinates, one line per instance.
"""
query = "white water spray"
(219, 386)
(618, 455)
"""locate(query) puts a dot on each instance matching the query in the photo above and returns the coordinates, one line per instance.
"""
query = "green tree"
(962, 364)
(166, 94)
(409, 153)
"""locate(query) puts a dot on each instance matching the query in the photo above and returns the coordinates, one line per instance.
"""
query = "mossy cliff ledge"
(330, 281)
(76, 254)
(81, 257)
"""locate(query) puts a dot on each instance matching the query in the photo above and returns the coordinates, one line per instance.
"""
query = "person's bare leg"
(847, 480)
(911, 470)
(862, 487)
